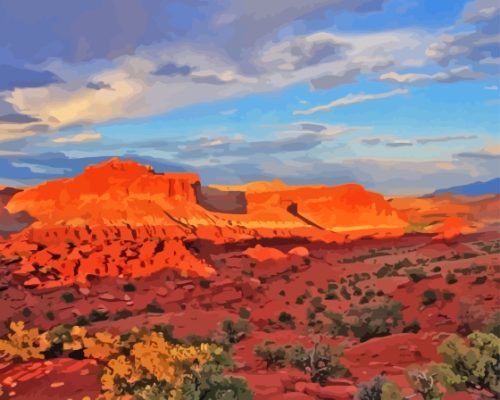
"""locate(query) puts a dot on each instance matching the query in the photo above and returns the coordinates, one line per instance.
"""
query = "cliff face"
(112, 193)
(101, 222)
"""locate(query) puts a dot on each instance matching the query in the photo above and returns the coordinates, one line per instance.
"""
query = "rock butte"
(133, 221)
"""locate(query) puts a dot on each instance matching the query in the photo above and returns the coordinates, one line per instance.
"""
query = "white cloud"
(349, 100)
(79, 138)
(491, 87)
(453, 75)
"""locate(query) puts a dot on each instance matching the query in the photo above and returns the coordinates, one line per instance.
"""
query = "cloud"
(491, 87)
(439, 139)
(79, 138)
(393, 142)
(17, 119)
(14, 77)
(451, 76)
(349, 100)
(98, 85)
(475, 41)
(228, 112)
(172, 69)
(399, 143)
(139, 91)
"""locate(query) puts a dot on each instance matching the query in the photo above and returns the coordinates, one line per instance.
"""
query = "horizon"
(400, 97)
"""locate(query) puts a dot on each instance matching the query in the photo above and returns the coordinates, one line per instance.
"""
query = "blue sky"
(401, 96)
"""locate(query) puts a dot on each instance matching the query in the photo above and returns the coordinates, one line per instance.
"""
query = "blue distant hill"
(474, 189)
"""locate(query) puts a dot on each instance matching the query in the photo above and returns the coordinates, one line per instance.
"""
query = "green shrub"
(378, 388)
(337, 326)
(371, 321)
(154, 308)
(274, 356)
(50, 315)
(480, 280)
(205, 284)
(287, 319)
(416, 274)
(471, 364)
(26, 312)
(451, 278)
(412, 327)
(244, 313)
(317, 305)
(235, 331)
(68, 297)
(129, 287)
(320, 362)
(429, 297)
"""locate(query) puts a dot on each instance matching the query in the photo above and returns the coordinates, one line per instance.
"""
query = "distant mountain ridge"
(474, 189)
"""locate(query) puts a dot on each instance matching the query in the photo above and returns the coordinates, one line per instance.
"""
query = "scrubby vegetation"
(143, 363)
(320, 362)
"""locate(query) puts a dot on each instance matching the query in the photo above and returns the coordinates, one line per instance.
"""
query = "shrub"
(205, 284)
(337, 326)
(129, 287)
(244, 313)
(448, 296)
(26, 312)
(274, 356)
(416, 274)
(122, 314)
(320, 362)
(424, 383)
(287, 319)
(480, 280)
(371, 321)
(50, 315)
(68, 297)
(429, 297)
(22, 343)
(98, 315)
(412, 327)
(235, 331)
(345, 293)
(154, 308)
(473, 364)
(299, 300)
(317, 305)
(157, 369)
(379, 388)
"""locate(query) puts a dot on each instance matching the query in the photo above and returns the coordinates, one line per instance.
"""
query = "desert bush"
(369, 321)
(337, 326)
(157, 369)
(416, 274)
(424, 383)
(22, 343)
(235, 331)
(244, 313)
(317, 305)
(472, 363)
(320, 362)
(480, 280)
(68, 297)
(287, 319)
(429, 297)
(274, 356)
(378, 388)
(412, 327)
(129, 287)
(97, 315)
(451, 278)
(471, 315)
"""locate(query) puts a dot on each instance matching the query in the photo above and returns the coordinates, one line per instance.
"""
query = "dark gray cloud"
(15, 77)
(172, 69)
(329, 81)
(98, 85)
(399, 143)
(17, 118)
(477, 40)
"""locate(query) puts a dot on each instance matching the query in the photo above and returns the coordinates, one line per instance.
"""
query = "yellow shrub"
(23, 343)
(102, 346)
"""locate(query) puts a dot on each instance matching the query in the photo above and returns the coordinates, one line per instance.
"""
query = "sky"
(401, 96)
